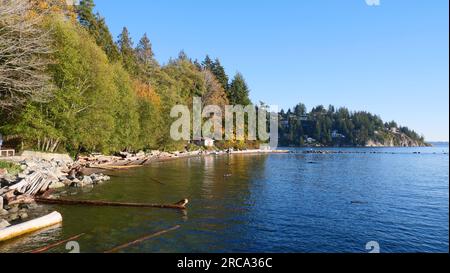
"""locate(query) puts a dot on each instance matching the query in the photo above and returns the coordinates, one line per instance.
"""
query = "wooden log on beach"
(30, 226)
(179, 205)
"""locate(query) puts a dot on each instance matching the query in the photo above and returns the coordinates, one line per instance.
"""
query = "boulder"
(87, 180)
(13, 216)
(1, 202)
(4, 223)
(66, 182)
(9, 178)
(76, 184)
(13, 209)
(140, 154)
(56, 185)
(23, 215)
(3, 212)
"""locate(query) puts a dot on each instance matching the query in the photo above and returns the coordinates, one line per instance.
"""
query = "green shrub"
(12, 168)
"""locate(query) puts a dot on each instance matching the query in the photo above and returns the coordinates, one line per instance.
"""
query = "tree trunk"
(30, 226)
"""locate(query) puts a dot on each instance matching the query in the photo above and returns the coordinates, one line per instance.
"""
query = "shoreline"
(46, 174)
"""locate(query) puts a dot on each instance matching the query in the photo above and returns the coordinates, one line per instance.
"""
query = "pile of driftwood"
(37, 182)
(125, 160)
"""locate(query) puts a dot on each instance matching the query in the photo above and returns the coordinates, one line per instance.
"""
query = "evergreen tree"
(207, 64)
(96, 26)
(86, 16)
(144, 51)
(105, 39)
(238, 91)
(219, 71)
(125, 45)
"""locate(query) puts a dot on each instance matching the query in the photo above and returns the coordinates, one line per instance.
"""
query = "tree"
(24, 51)
(125, 45)
(146, 63)
(96, 26)
(207, 64)
(300, 110)
(215, 94)
(105, 39)
(86, 16)
(186, 79)
(126, 113)
(219, 71)
(238, 91)
(60, 7)
(144, 51)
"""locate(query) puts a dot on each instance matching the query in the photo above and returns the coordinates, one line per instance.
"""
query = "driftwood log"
(50, 246)
(137, 241)
(179, 205)
(30, 226)
(33, 184)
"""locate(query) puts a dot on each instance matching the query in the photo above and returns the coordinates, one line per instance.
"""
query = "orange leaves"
(54, 7)
(146, 91)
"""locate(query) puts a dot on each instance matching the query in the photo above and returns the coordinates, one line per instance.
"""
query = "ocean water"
(297, 202)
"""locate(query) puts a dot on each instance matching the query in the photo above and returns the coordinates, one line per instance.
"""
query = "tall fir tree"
(105, 39)
(96, 26)
(207, 64)
(238, 91)
(127, 53)
(144, 51)
(219, 71)
(86, 15)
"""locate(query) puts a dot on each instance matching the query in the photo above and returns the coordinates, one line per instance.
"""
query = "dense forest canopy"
(340, 127)
(66, 84)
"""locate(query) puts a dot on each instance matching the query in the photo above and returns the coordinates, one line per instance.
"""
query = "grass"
(12, 168)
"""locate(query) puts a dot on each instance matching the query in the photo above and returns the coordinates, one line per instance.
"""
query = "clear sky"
(391, 59)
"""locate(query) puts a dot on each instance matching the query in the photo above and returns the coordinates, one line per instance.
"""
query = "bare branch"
(24, 48)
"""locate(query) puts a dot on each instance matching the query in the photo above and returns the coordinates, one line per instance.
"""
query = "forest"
(68, 85)
(341, 127)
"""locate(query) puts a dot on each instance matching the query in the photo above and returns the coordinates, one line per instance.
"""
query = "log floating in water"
(116, 167)
(50, 246)
(137, 241)
(179, 205)
(30, 226)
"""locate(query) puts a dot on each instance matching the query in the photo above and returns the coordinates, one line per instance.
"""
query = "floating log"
(137, 241)
(179, 205)
(156, 180)
(30, 226)
(50, 246)
(115, 167)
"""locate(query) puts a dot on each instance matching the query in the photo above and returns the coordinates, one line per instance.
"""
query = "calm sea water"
(271, 203)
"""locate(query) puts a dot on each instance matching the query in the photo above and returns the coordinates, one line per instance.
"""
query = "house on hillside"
(205, 142)
(335, 134)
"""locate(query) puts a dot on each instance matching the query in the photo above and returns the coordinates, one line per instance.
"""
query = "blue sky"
(390, 59)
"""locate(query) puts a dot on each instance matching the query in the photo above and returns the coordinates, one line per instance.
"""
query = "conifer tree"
(127, 53)
(238, 91)
(219, 71)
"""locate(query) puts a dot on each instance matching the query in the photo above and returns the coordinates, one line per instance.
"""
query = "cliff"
(395, 139)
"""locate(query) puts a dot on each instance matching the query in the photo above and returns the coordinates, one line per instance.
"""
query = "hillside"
(341, 127)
